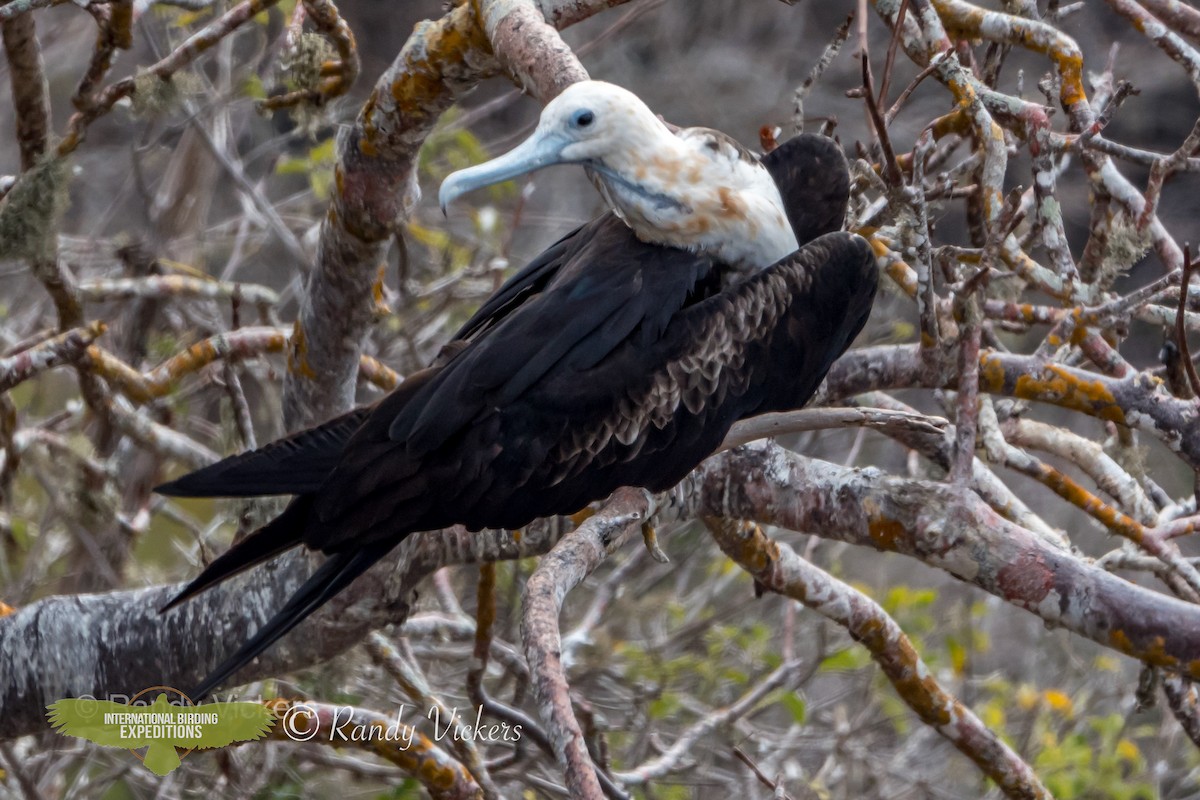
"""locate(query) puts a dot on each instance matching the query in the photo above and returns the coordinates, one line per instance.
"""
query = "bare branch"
(563, 568)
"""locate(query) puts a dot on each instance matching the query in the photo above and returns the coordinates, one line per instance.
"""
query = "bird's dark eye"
(581, 119)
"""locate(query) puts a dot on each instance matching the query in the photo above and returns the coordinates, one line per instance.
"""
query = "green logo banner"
(160, 727)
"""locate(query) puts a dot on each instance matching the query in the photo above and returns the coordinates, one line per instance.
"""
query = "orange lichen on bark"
(297, 359)
(377, 373)
(780, 570)
(131, 383)
(377, 286)
(745, 543)
(903, 666)
(967, 21)
(582, 515)
(421, 90)
(894, 267)
(121, 24)
(143, 387)
(1055, 384)
(885, 533)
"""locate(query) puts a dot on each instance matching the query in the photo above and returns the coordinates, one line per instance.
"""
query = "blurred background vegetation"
(155, 187)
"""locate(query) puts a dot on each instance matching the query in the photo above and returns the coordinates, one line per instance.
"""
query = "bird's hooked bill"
(542, 149)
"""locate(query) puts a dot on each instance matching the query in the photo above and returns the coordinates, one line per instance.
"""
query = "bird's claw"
(650, 537)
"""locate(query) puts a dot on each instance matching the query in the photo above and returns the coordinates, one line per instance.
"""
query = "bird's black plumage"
(606, 362)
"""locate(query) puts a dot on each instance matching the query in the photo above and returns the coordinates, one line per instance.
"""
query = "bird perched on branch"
(718, 287)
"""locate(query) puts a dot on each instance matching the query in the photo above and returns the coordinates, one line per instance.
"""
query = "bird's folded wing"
(522, 285)
(814, 182)
(293, 465)
(606, 288)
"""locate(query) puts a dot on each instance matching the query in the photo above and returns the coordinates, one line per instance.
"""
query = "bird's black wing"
(300, 463)
(643, 412)
(292, 465)
(608, 284)
(610, 291)
(437, 458)
(814, 181)
(524, 284)
(652, 414)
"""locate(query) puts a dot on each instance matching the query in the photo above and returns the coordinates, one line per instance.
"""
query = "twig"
(413, 683)
(104, 290)
(1162, 168)
(180, 57)
(144, 387)
(741, 756)
(827, 55)
(158, 438)
(890, 61)
(892, 171)
(1181, 340)
(675, 757)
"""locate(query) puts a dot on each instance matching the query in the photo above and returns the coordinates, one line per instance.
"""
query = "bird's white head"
(695, 189)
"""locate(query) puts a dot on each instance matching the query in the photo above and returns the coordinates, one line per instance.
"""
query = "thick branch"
(943, 526)
(116, 643)
(31, 98)
(951, 529)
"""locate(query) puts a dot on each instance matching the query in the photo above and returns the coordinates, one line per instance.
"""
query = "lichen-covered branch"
(96, 644)
(26, 75)
(954, 530)
(943, 526)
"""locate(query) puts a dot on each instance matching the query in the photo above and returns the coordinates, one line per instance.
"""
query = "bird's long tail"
(296, 464)
(338, 571)
(282, 533)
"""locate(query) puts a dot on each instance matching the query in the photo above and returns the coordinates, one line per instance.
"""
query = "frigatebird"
(717, 287)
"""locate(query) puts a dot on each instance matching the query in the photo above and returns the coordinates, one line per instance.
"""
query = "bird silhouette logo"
(162, 728)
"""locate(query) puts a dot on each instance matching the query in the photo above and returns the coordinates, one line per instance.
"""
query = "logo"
(163, 727)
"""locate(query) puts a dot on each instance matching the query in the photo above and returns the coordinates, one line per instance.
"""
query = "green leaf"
(796, 706)
(851, 658)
